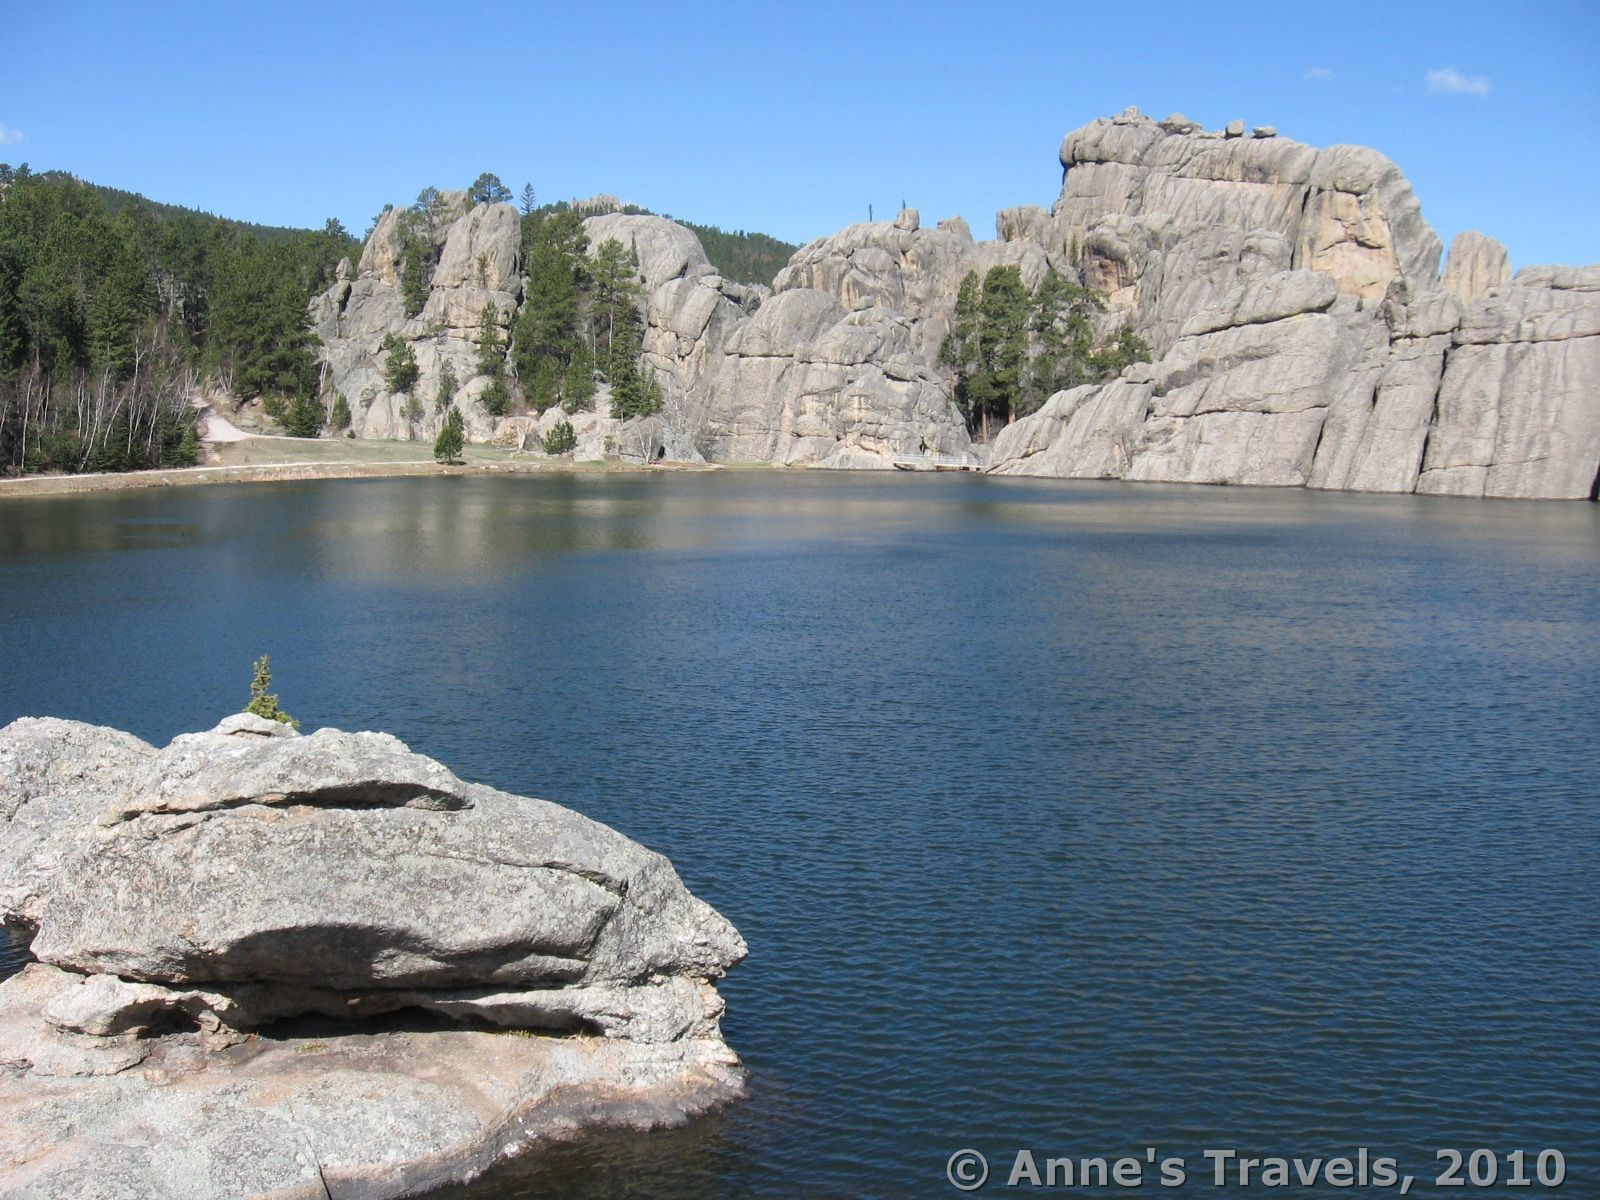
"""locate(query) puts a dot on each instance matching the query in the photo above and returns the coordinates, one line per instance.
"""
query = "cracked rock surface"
(479, 966)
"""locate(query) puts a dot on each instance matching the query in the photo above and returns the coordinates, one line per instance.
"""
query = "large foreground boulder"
(479, 968)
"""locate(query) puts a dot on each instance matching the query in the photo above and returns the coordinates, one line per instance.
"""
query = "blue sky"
(792, 118)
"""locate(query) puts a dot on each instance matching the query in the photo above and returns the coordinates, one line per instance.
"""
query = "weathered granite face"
(1476, 264)
(479, 264)
(54, 777)
(183, 900)
(1291, 296)
(1303, 334)
(1519, 402)
(1167, 218)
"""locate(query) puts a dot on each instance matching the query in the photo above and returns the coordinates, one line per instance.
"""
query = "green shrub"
(561, 439)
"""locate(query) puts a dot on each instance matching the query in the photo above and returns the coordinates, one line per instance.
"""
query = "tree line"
(1011, 348)
(580, 323)
(113, 310)
(581, 319)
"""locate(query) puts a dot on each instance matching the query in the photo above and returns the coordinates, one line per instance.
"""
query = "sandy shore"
(481, 462)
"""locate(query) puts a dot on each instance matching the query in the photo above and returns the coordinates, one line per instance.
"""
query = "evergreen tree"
(530, 200)
(110, 304)
(419, 229)
(635, 391)
(262, 702)
(1010, 350)
(1063, 331)
(339, 418)
(447, 447)
(487, 189)
(400, 371)
(303, 418)
(959, 351)
(1123, 350)
(491, 362)
(496, 398)
(1003, 342)
(561, 439)
(614, 304)
(447, 387)
(547, 331)
(491, 354)
(411, 411)
(577, 385)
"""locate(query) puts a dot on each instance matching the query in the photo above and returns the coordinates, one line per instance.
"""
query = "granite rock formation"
(190, 905)
(1302, 332)
(479, 264)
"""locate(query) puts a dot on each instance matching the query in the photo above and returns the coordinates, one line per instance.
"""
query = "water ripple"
(1081, 818)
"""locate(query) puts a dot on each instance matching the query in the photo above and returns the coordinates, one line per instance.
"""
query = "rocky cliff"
(1302, 331)
(1304, 335)
(282, 965)
(478, 250)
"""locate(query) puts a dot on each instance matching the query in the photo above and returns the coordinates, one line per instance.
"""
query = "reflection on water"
(13, 952)
(1078, 817)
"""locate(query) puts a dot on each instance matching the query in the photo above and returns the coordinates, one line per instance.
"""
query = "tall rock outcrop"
(1303, 334)
(1301, 331)
(193, 907)
(478, 265)
(1518, 411)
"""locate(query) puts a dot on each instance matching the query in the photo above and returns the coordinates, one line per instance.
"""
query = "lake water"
(1078, 818)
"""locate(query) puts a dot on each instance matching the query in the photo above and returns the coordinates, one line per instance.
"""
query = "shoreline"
(71, 485)
(39, 486)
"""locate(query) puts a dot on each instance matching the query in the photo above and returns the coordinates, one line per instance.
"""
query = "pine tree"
(452, 439)
(1003, 318)
(496, 398)
(303, 419)
(1063, 334)
(187, 453)
(547, 331)
(491, 355)
(614, 304)
(447, 387)
(561, 439)
(577, 385)
(400, 369)
(339, 419)
(412, 412)
(960, 349)
(487, 189)
(1010, 350)
(262, 702)
(635, 391)
(1124, 349)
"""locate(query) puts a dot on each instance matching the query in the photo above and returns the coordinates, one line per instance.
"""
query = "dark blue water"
(1066, 817)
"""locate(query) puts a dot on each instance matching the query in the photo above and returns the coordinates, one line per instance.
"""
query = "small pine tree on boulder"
(262, 702)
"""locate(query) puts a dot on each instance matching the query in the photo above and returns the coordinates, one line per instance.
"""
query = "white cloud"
(10, 136)
(1318, 75)
(1450, 80)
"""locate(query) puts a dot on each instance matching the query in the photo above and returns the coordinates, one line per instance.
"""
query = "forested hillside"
(740, 256)
(112, 309)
